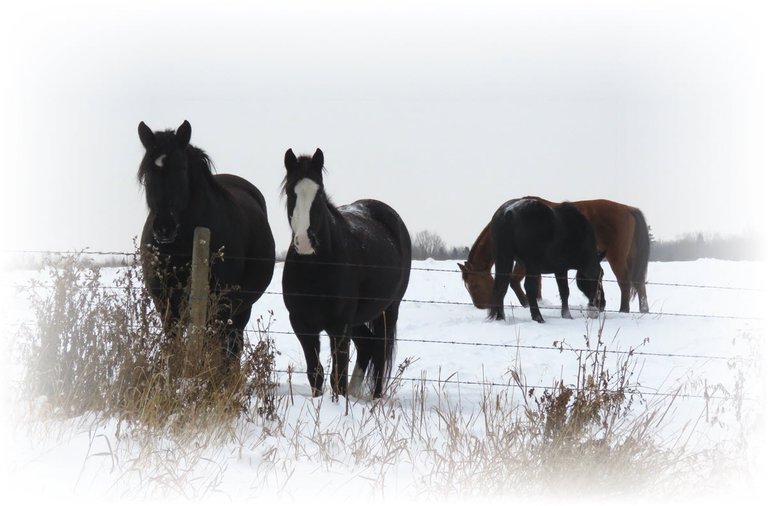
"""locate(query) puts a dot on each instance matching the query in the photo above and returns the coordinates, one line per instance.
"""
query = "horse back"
(242, 210)
(242, 190)
(245, 234)
(381, 235)
(542, 236)
(521, 229)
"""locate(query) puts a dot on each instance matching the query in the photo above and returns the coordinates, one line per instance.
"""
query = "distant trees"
(694, 246)
(427, 244)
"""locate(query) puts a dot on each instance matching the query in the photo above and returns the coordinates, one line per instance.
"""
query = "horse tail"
(641, 251)
(381, 349)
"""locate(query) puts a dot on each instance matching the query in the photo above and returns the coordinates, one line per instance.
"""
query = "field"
(460, 420)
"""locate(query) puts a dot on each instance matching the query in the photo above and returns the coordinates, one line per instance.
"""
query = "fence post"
(198, 294)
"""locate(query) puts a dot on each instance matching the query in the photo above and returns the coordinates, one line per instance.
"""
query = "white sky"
(442, 109)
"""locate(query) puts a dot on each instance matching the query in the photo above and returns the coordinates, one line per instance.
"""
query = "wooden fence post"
(198, 294)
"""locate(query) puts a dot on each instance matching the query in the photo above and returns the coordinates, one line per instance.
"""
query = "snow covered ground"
(706, 316)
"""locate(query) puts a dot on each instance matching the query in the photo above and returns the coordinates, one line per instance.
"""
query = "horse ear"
(183, 134)
(290, 160)
(146, 135)
(462, 267)
(318, 160)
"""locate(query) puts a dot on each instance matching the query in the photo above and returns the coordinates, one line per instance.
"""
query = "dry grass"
(97, 355)
(99, 348)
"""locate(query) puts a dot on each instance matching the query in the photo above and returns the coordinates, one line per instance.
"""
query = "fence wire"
(528, 387)
(456, 342)
(347, 264)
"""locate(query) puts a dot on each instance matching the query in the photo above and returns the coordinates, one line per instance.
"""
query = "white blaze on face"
(159, 161)
(305, 190)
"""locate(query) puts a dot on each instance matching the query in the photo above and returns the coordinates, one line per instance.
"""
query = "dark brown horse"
(621, 234)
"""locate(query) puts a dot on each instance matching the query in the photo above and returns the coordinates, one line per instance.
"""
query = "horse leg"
(531, 289)
(626, 292)
(642, 297)
(339, 359)
(363, 339)
(620, 269)
(515, 278)
(234, 343)
(310, 343)
(562, 287)
(500, 286)
(385, 332)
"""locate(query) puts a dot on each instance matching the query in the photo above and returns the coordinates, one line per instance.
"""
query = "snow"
(702, 312)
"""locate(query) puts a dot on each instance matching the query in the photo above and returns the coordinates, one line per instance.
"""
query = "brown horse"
(621, 234)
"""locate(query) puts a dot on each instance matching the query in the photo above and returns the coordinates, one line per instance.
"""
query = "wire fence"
(459, 342)
(453, 380)
(649, 314)
(560, 347)
(348, 264)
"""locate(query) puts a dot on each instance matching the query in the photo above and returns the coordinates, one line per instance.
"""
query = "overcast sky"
(442, 109)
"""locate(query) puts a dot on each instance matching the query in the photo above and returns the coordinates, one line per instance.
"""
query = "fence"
(199, 290)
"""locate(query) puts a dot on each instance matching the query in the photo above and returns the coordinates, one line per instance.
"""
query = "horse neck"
(202, 187)
(328, 230)
(480, 255)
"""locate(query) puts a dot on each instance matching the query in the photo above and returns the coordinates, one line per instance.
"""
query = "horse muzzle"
(303, 244)
(165, 235)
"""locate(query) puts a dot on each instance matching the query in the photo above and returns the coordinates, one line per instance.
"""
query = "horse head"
(590, 282)
(479, 284)
(164, 172)
(303, 185)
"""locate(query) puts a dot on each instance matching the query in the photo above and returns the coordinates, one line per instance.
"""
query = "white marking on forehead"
(305, 190)
(159, 160)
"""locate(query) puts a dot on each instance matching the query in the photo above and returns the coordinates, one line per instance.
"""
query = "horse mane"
(199, 161)
(480, 255)
(303, 161)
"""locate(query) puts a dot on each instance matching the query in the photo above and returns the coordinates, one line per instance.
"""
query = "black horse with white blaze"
(183, 193)
(546, 240)
(345, 273)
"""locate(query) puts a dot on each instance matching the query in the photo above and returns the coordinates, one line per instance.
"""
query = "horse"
(183, 193)
(546, 240)
(621, 234)
(346, 271)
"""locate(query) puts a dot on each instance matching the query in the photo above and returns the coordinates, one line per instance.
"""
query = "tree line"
(428, 244)
(695, 246)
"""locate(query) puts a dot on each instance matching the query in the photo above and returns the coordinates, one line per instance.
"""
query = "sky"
(444, 110)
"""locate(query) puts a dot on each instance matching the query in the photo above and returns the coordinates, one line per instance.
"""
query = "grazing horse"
(621, 234)
(183, 193)
(345, 273)
(547, 240)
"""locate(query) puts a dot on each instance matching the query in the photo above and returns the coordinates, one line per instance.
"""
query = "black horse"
(546, 240)
(345, 273)
(183, 193)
